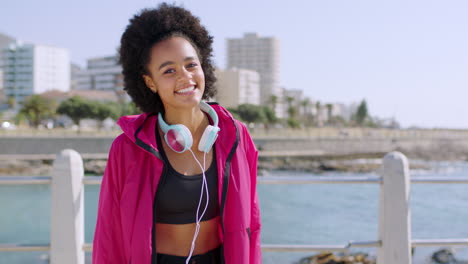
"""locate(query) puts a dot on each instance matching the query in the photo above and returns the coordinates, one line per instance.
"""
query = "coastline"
(317, 164)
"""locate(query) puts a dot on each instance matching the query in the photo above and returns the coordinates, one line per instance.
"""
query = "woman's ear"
(149, 83)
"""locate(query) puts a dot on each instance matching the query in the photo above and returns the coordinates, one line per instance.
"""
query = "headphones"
(179, 138)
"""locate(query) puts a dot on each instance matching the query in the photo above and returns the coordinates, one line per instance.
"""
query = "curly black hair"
(149, 27)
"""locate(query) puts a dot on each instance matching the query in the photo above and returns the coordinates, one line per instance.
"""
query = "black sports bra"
(179, 195)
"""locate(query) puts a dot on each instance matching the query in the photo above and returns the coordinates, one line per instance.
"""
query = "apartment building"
(33, 69)
(102, 73)
(238, 86)
(260, 54)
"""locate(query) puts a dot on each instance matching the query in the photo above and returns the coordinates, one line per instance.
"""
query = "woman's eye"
(192, 64)
(169, 71)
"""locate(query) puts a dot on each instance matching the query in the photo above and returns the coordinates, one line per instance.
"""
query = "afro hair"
(149, 27)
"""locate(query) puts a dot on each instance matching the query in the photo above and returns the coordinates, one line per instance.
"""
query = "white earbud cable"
(204, 187)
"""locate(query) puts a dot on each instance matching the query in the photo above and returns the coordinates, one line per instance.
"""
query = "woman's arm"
(108, 240)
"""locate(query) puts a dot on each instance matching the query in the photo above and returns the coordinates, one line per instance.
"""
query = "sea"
(319, 214)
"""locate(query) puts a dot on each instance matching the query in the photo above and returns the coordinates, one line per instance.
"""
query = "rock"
(330, 258)
(95, 167)
(443, 256)
(25, 167)
(446, 256)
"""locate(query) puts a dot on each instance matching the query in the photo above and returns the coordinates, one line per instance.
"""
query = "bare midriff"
(176, 240)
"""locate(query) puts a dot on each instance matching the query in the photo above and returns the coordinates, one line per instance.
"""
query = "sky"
(407, 59)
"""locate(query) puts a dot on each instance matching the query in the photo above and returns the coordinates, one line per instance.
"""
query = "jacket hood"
(140, 129)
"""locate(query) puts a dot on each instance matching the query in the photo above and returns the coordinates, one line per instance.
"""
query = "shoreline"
(317, 164)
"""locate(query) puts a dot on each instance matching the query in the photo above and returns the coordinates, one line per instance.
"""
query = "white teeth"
(186, 90)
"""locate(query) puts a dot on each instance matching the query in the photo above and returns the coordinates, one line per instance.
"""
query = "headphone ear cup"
(208, 138)
(178, 138)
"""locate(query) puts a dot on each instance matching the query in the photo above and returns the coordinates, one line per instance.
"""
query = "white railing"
(394, 242)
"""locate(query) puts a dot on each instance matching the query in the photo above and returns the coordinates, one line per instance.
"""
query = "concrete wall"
(51, 145)
(452, 148)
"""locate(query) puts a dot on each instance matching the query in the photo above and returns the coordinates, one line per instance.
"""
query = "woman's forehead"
(174, 48)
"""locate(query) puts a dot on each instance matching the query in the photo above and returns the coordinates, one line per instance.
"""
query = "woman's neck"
(194, 119)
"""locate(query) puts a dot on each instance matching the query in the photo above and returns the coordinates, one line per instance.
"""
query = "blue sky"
(408, 59)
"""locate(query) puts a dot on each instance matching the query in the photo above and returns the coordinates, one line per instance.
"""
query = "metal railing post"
(67, 209)
(394, 211)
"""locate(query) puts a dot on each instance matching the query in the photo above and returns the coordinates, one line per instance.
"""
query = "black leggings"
(210, 257)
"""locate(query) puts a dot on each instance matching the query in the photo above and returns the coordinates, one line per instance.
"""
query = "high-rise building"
(238, 86)
(75, 71)
(261, 54)
(103, 73)
(34, 69)
(5, 41)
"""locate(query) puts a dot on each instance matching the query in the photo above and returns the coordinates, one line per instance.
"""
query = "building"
(75, 71)
(34, 69)
(103, 73)
(5, 41)
(238, 86)
(347, 110)
(261, 54)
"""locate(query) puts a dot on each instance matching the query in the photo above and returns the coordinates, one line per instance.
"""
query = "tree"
(11, 102)
(289, 101)
(37, 108)
(361, 113)
(329, 112)
(234, 113)
(251, 113)
(270, 116)
(129, 109)
(293, 123)
(76, 108)
(318, 107)
(305, 107)
(273, 101)
(292, 112)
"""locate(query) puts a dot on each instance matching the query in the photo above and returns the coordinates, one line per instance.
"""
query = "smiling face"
(175, 73)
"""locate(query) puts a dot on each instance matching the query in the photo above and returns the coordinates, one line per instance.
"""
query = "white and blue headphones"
(179, 138)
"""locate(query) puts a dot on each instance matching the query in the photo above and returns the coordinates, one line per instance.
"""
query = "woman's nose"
(185, 74)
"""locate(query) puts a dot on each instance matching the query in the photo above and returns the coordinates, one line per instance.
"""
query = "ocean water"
(325, 214)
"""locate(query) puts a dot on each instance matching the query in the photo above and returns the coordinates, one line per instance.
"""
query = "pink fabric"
(125, 213)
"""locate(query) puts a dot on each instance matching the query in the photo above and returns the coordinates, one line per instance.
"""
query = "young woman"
(180, 183)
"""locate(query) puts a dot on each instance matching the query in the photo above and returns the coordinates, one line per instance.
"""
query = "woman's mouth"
(186, 90)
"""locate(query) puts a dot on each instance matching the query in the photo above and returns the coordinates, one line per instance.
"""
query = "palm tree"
(291, 110)
(318, 107)
(273, 101)
(329, 112)
(305, 108)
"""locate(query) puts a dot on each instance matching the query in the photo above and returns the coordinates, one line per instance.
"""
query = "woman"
(180, 183)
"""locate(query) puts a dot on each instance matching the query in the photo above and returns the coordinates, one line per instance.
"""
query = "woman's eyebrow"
(171, 62)
(165, 64)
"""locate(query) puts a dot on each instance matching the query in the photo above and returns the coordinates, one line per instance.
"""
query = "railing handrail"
(87, 247)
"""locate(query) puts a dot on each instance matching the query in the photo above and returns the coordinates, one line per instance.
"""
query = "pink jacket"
(124, 228)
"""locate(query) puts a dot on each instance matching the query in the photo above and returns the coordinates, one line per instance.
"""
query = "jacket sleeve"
(108, 239)
(255, 220)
